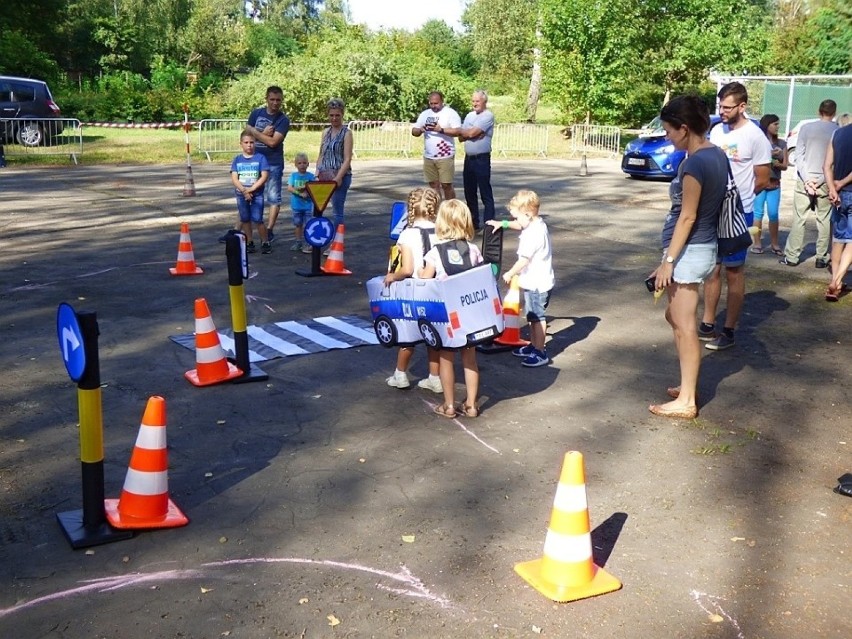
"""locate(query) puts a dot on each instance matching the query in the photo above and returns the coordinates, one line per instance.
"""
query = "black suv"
(21, 98)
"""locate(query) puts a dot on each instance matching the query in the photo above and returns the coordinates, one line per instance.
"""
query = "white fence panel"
(42, 136)
(593, 139)
(520, 138)
(381, 137)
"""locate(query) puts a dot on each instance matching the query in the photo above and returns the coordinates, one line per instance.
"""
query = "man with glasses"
(750, 157)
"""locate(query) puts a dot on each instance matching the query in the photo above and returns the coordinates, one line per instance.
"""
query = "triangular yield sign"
(321, 192)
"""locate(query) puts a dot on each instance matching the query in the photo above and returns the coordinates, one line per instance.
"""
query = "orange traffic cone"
(334, 261)
(188, 183)
(144, 501)
(186, 259)
(566, 572)
(211, 366)
(512, 317)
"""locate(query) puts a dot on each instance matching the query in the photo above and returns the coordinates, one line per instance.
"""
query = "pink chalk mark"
(714, 602)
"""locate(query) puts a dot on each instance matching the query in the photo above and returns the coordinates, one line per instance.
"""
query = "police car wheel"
(430, 335)
(385, 331)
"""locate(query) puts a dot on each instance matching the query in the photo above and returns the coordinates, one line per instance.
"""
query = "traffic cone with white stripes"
(186, 258)
(211, 365)
(567, 572)
(144, 501)
(334, 262)
(512, 317)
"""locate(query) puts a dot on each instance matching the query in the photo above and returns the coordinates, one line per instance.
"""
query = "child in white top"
(454, 227)
(534, 269)
(422, 208)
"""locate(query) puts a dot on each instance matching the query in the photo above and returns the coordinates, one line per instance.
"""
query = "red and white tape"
(141, 125)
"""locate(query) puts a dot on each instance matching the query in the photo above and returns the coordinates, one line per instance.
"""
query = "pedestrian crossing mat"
(283, 339)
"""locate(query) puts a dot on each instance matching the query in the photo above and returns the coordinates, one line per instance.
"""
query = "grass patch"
(721, 441)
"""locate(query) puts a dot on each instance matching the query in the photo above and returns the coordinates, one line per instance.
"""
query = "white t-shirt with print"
(746, 147)
(439, 145)
(534, 245)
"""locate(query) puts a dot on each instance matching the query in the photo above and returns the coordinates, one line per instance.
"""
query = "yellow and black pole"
(235, 254)
(78, 343)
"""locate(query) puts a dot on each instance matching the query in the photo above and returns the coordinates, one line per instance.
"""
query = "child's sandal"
(445, 411)
(470, 411)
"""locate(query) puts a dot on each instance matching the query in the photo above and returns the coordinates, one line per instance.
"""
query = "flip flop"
(445, 411)
(757, 249)
(777, 251)
(831, 295)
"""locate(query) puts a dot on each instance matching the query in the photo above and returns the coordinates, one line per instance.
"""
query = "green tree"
(503, 34)
(215, 37)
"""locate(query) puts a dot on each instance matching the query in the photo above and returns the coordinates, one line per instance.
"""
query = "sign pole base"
(80, 536)
(253, 374)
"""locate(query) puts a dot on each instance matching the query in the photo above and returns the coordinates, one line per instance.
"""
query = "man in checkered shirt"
(439, 148)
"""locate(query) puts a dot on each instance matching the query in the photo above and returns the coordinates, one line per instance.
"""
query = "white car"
(793, 136)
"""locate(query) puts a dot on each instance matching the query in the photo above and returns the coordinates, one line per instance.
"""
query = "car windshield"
(654, 127)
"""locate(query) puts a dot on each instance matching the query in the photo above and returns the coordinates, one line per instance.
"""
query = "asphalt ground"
(323, 503)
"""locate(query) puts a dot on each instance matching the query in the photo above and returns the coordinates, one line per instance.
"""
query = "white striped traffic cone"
(567, 572)
(211, 366)
(512, 317)
(144, 501)
(334, 262)
(185, 258)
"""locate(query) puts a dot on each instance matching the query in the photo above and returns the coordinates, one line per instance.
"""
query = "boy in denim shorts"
(249, 172)
(534, 269)
(301, 205)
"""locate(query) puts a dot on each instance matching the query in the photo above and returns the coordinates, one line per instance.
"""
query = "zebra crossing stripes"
(284, 339)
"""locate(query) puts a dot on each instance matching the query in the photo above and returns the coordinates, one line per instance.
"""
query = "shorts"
(272, 188)
(695, 263)
(300, 218)
(536, 304)
(840, 219)
(442, 170)
(739, 258)
(250, 211)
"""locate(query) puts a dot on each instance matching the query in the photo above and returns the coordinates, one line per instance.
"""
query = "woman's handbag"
(732, 229)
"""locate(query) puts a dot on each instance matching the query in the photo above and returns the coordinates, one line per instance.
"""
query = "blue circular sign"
(70, 341)
(319, 231)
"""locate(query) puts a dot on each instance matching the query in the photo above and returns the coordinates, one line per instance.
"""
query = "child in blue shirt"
(300, 202)
(249, 172)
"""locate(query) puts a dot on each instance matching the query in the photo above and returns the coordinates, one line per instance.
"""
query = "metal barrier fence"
(370, 137)
(593, 139)
(223, 136)
(41, 136)
(520, 138)
(381, 137)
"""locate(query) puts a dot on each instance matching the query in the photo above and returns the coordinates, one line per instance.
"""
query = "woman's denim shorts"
(695, 263)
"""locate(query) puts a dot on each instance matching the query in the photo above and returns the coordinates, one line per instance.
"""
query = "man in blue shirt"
(269, 126)
(476, 132)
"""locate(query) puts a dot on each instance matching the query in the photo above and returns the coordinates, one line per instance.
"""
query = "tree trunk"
(534, 92)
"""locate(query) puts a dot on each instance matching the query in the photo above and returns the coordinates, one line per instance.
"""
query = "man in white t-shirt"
(439, 148)
(750, 158)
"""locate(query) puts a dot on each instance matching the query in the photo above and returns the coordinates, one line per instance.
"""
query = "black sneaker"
(787, 262)
(820, 263)
(706, 334)
(270, 236)
(266, 248)
(251, 248)
(721, 343)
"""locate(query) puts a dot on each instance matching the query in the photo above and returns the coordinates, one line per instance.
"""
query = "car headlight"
(669, 148)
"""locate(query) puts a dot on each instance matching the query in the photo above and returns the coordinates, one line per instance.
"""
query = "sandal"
(757, 249)
(470, 411)
(445, 411)
(832, 295)
(777, 250)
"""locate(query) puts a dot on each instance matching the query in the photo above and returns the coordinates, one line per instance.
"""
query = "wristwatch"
(669, 259)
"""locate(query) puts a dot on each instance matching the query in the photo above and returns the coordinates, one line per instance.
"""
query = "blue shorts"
(695, 263)
(250, 211)
(737, 259)
(300, 218)
(272, 188)
(840, 219)
(536, 304)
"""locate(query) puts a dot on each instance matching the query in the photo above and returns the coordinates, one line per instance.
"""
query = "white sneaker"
(398, 380)
(431, 383)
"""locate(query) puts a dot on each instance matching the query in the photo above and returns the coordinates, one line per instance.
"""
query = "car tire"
(429, 334)
(30, 134)
(385, 331)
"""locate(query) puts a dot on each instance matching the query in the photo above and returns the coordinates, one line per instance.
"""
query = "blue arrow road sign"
(70, 341)
(319, 231)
